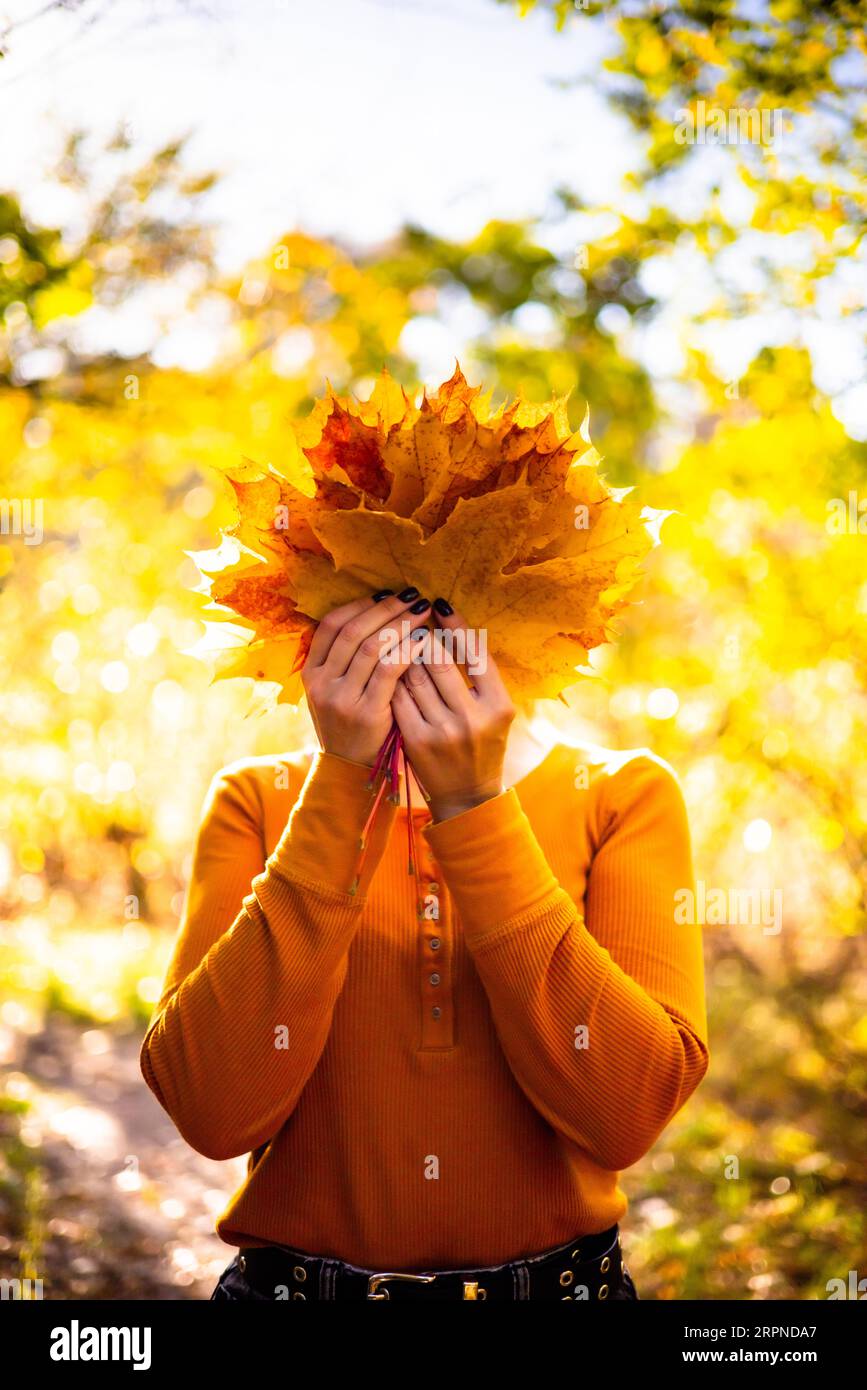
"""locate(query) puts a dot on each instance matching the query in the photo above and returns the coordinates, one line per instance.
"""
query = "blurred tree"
(141, 232)
(33, 263)
(753, 131)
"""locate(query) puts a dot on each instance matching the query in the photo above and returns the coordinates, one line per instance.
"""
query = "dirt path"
(126, 1209)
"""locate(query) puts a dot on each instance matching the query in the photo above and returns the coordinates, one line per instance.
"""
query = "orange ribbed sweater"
(444, 1094)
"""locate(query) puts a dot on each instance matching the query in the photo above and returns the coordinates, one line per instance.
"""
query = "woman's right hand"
(354, 663)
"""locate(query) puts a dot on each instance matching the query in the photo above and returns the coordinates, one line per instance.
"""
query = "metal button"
(436, 1011)
(434, 943)
(434, 979)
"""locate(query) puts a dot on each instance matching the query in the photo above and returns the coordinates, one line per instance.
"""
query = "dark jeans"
(232, 1286)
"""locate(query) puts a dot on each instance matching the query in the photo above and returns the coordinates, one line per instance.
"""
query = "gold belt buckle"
(375, 1280)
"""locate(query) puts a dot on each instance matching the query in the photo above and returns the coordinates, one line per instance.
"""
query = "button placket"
(435, 965)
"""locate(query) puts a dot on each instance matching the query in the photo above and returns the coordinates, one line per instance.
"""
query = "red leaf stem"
(386, 774)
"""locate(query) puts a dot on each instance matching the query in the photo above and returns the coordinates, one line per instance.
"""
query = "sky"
(343, 116)
(351, 117)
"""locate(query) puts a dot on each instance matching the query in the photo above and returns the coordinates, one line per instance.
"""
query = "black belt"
(586, 1268)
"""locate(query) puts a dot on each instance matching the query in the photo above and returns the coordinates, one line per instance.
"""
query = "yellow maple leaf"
(503, 512)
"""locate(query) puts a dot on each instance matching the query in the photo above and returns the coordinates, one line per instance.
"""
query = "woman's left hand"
(455, 735)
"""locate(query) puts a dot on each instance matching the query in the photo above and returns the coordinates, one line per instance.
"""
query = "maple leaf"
(502, 512)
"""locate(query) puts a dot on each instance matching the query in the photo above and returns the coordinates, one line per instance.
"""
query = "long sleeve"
(628, 981)
(261, 957)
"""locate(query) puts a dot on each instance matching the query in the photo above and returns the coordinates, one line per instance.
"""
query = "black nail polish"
(406, 594)
(381, 594)
(442, 606)
(419, 632)
(420, 607)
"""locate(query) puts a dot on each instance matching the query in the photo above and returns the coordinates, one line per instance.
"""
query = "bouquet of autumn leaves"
(502, 512)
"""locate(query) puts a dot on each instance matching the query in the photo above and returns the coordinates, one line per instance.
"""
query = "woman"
(433, 1108)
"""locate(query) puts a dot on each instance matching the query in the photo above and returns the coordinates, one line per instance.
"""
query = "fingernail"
(420, 607)
(406, 594)
(418, 633)
(381, 594)
(442, 606)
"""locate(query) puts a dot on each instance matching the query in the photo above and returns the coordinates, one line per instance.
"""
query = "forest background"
(707, 301)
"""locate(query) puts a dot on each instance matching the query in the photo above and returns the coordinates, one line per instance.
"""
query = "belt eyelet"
(242, 1263)
(567, 1278)
(605, 1266)
(603, 1292)
(299, 1294)
(299, 1273)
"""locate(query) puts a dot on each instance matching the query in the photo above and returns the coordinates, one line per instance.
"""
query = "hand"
(348, 680)
(455, 734)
